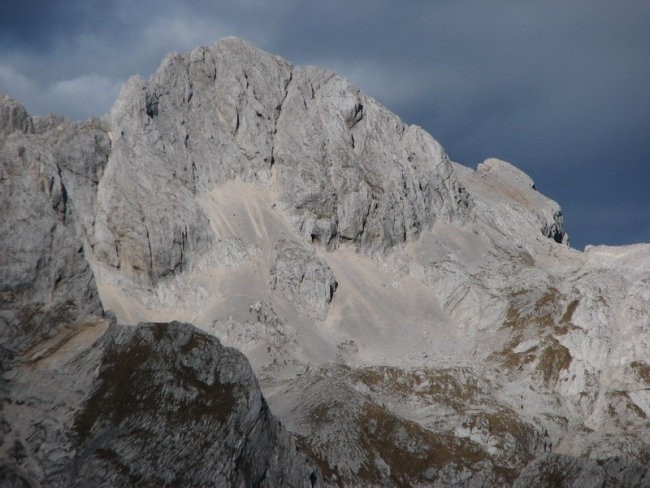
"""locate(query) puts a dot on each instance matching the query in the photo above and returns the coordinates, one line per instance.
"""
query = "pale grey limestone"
(48, 185)
(347, 169)
(350, 170)
(414, 322)
(204, 117)
(302, 278)
(546, 213)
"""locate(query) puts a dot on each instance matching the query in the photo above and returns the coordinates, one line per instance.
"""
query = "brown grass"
(542, 316)
(499, 423)
(410, 450)
(642, 371)
(542, 319)
(413, 453)
(454, 387)
(323, 413)
(566, 325)
(554, 359)
(567, 317)
(512, 360)
(329, 471)
(627, 402)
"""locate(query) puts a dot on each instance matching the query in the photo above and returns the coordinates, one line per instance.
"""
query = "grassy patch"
(567, 317)
(452, 386)
(541, 319)
(625, 399)
(565, 325)
(328, 470)
(642, 371)
(389, 450)
(542, 315)
(514, 360)
(500, 423)
(322, 414)
(554, 359)
(410, 450)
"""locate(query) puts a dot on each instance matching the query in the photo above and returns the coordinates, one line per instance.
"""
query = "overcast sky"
(561, 89)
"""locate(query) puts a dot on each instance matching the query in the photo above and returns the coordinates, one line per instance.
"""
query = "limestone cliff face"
(411, 321)
(49, 176)
(345, 167)
(350, 170)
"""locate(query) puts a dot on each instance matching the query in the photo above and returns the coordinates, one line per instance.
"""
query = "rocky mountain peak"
(344, 167)
(410, 321)
(13, 117)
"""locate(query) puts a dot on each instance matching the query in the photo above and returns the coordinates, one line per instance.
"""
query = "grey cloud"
(558, 88)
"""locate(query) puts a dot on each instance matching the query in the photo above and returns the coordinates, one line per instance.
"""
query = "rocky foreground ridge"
(410, 321)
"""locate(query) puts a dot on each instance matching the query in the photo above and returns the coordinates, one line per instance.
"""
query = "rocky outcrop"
(350, 170)
(48, 289)
(348, 421)
(515, 204)
(556, 470)
(204, 118)
(153, 405)
(561, 471)
(172, 406)
(13, 117)
(302, 278)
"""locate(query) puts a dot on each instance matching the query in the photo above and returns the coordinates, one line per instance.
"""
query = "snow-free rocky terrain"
(281, 237)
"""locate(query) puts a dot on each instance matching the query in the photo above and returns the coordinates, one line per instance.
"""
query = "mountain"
(88, 402)
(410, 321)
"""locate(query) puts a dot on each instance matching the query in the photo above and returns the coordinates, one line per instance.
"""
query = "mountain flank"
(250, 273)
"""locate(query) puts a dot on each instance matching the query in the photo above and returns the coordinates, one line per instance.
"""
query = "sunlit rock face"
(411, 321)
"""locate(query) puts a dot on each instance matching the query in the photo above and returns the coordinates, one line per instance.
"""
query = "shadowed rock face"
(13, 117)
(412, 322)
(152, 405)
(171, 406)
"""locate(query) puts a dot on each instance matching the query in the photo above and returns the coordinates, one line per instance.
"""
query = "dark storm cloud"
(558, 88)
